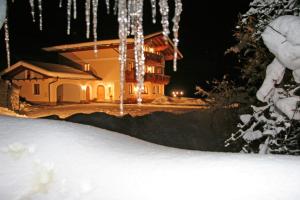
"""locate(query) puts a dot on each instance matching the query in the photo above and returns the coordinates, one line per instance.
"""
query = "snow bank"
(44, 159)
(7, 112)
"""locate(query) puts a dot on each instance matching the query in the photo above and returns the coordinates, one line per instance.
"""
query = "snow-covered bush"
(268, 130)
(222, 93)
(252, 55)
(265, 11)
(275, 127)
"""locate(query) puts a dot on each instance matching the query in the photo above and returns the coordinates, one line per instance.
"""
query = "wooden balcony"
(154, 59)
(154, 78)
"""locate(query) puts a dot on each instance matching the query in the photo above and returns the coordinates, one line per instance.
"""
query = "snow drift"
(44, 159)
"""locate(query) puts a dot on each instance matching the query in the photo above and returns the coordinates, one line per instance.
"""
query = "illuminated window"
(150, 69)
(153, 89)
(130, 89)
(157, 89)
(87, 67)
(145, 91)
(36, 89)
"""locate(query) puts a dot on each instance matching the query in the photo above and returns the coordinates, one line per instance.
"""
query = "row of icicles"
(130, 18)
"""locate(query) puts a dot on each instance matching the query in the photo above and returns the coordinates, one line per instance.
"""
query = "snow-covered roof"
(154, 39)
(86, 45)
(48, 69)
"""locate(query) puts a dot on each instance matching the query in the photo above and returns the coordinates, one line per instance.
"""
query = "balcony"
(154, 78)
(154, 59)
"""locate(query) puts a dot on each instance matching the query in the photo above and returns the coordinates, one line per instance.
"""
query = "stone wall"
(3, 93)
(9, 95)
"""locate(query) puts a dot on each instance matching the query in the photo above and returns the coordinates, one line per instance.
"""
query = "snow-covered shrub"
(268, 129)
(222, 93)
(252, 55)
(265, 11)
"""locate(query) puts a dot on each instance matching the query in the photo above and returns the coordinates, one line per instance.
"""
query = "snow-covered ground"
(44, 159)
(7, 112)
(65, 110)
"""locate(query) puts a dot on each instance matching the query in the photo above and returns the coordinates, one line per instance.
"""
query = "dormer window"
(87, 67)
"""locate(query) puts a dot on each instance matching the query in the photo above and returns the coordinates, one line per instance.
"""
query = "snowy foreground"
(44, 159)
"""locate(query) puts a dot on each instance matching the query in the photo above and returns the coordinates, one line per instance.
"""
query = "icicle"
(176, 19)
(129, 11)
(69, 7)
(116, 7)
(122, 19)
(7, 42)
(153, 6)
(60, 3)
(95, 24)
(164, 11)
(40, 14)
(31, 2)
(74, 9)
(107, 6)
(139, 48)
(87, 17)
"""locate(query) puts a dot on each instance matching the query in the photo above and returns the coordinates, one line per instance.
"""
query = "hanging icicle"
(107, 6)
(74, 9)
(129, 11)
(122, 19)
(164, 11)
(87, 17)
(6, 30)
(139, 48)
(95, 24)
(116, 7)
(153, 6)
(60, 3)
(40, 14)
(31, 2)
(176, 20)
(69, 9)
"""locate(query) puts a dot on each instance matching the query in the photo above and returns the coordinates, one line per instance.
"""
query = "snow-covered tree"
(253, 56)
(275, 128)
(265, 11)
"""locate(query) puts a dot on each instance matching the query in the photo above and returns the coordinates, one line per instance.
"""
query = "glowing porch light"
(83, 87)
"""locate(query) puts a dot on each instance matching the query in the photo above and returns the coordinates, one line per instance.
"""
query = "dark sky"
(205, 33)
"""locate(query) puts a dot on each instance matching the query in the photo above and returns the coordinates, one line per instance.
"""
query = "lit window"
(153, 89)
(145, 91)
(87, 67)
(150, 69)
(36, 89)
(130, 89)
(157, 89)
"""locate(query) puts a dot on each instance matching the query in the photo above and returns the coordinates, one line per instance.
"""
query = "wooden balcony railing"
(154, 78)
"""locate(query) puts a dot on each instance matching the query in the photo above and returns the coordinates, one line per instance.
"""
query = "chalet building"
(92, 78)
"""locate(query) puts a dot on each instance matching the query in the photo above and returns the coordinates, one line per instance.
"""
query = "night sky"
(205, 33)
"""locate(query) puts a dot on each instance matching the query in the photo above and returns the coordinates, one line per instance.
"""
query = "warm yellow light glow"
(177, 93)
(83, 87)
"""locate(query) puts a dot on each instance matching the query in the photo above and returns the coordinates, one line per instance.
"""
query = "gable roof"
(156, 39)
(47, 69)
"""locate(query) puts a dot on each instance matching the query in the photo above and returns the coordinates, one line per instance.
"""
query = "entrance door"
(100, 93)
(88, 93)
